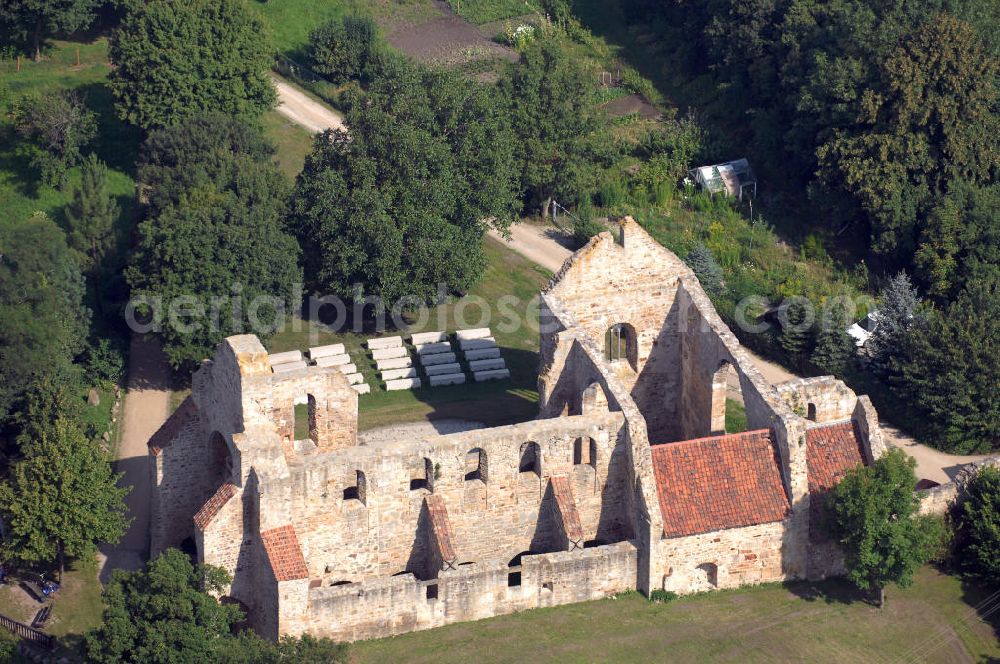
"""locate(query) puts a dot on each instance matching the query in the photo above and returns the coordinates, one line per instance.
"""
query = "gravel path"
(147, 406)
(305, 111)
(543, 244)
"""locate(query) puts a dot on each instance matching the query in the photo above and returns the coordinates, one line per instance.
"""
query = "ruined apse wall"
(384, 531)
(826, 398)
(384, 607)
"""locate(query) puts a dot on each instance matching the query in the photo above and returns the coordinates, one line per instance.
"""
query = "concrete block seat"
(477, 344)
(384, 342)
(428, 338)
(473, 333)
(286, 357)
(333, 360)
(355, 378)
(362, 388)
(394, 363)
(447, 379)
(433, 348)
(482, 354)
(497, 374)
(396, 374)
(402, 384)
(285, 367)
(389, 353)
(318, 352)
(439, 358)
(488, 364)
(443, 369)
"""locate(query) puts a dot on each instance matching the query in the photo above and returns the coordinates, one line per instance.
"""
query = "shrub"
(344, 49)
(980, 525)
(635, 82)
(661, 596)
(584, 225)
(611, 193)
(105, 363)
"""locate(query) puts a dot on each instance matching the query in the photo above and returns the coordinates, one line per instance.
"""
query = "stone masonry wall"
(395, 605)
(723, 559)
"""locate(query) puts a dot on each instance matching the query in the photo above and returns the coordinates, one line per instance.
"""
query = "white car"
(863, 329)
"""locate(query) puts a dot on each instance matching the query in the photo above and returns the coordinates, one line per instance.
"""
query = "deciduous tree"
(979, 525)
(35, 20)
(61, 499)
(177, 58)
(874, 516)
(343, 49)
(58, 126)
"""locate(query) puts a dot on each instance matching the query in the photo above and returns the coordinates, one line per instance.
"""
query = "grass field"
(508, 274)
(933, 621)
(21, 192)
(488, 11)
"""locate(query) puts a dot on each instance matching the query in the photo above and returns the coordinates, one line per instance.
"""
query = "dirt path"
(544, 244)
(147, 405)
(305, 111)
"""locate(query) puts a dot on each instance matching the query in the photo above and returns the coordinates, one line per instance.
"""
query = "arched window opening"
(811, 412)
(475, 465)
(620, 344)
(530, 459)
(359, 491)
(593, 399)
(708, 575)
(220, 458)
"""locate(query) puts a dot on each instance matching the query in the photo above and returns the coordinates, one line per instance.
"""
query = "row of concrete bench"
(437, 357)
(333, 355)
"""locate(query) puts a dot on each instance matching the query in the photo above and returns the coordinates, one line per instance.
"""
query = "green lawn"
(933, 621)
(21, 193)
(736, 416)
(487, 11)
(500, 402)
(292, 141)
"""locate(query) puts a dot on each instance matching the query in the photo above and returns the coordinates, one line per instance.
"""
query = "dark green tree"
(177, 58)
(43, 322)
(554, 117)
(344, 49)
(874, 516)
(897, 311)
(948, 369)
(796, 333)
(34, 20)
(400, 207)
(706, 268)
(91, 214)
(834, 346)
(930, 121)
(58, 127)
(220, 246)
(165, 614)
(979, 525)
(61, 499)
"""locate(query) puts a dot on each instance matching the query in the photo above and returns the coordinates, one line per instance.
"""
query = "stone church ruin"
(627, 479)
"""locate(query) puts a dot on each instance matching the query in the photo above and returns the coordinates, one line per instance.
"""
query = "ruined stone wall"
(183, 478)
(821, 398)
(723, 559)
(940, 499)
(385, 607)
(496, 519)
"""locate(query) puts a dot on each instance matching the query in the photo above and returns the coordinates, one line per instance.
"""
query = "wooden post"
(19, 63)
(77, 56)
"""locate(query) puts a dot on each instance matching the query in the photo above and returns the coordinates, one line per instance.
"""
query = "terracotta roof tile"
(441, 526)
(169, 430)
(719, 482)
(284, 554)
(214, 505)
(567, 506)
(831, 451)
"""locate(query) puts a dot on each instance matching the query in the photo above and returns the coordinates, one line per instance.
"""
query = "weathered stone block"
(282, 358)
(484, 354)
(326, 351)
(428, 338)
(447, 379)
(487, 365)
(440, 358)
(477, 344)
(434, 348)
(394, 363)
(402, 384)
(394, 374)
(333, 360)
(474, 333)
(287, 367)
(384, 342)
(497, 374)
(362, 388)
(441, 369)
(389, 353)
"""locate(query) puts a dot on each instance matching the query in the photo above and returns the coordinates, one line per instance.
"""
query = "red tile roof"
(214, 505)
(169, 430)
(567, 507)
(284, 554)
(719, 482)
(831, 450)
(441, 527)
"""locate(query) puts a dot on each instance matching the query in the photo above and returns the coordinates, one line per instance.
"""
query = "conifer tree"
(92, 212)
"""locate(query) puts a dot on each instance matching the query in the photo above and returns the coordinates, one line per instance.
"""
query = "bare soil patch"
(448, 40)
(632, 104)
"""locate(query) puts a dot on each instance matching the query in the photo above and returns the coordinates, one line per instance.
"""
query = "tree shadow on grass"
(985, 601)
(829, 591)
(117, 142)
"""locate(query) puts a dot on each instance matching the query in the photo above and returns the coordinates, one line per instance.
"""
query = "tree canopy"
(58, 126)
(344, 49)
(214, 251)
(177, 58)
(874, 516)
(32, 21)
(43, 321)
(61, 498)
(554, 116)
(400, 206)
(979, 525)
(91, 215)
(165, 613)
